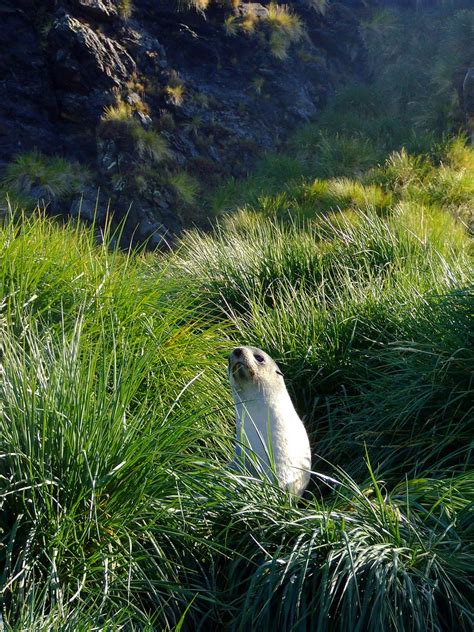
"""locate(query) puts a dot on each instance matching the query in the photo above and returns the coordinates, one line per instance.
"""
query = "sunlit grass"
(95, 378)
(117, 420)
(121, 111)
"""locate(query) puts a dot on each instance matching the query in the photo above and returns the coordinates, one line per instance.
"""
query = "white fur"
(271, 438)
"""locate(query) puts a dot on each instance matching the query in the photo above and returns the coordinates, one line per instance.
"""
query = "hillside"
(156, 102)
(347, 255)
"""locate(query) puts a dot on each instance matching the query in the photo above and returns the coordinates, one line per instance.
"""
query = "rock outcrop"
(159, 102)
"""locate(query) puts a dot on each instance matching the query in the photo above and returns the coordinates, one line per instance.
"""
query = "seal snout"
(240, 363)
(239, 358)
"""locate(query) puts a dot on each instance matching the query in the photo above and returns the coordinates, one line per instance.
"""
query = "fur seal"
(271, 438)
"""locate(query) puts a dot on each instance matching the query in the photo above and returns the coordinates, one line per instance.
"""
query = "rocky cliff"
(156, 101)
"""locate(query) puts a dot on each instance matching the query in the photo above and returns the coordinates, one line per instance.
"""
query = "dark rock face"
(85, 59)
(27, 96)
(86, 66)
(142, 100)
(97, 9)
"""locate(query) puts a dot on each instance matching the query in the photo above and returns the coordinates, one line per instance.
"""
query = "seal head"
(250, 367)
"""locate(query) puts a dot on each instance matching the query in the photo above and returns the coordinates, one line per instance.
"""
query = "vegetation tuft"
(150, 143)
(185, 186)
(34, 178)
(278, 27)
(125, 8)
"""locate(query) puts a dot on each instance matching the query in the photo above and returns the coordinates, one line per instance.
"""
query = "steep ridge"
(157, 101)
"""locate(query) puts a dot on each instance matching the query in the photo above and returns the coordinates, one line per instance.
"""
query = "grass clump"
(285, 28)
(401, 172)
(245, 22)
(150, 144)
(323, 196)
(449, 186)
(379, 544)
(33, 177)
(175, 90)
(118, 121)
(125, 8)
(185, 186)
(198, 5)
(278, 27)
(121, 111)
(271, 176)
(97, 384)
(336, 155)
(375, 541)
(175, 94)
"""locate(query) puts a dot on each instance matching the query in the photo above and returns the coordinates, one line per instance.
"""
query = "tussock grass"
(286, 28)
(271, 176)
(116, 419)
(198, 5)
(333, 563)
(92, 393)
(336, 155)
(185, 186)
(33, 177)
(247, 254)
(125, 8)
(305, 201)
(118, 121)
(279, 27)
(175, 93)
(150, 143)
(121, 111)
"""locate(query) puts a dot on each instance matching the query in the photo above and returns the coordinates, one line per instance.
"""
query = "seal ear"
(279, 373)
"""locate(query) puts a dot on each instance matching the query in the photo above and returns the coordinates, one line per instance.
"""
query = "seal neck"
(260, 407)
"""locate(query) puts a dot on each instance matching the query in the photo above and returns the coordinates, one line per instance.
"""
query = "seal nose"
(237, 352)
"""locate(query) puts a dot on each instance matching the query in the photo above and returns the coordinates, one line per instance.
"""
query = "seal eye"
(259, 358)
